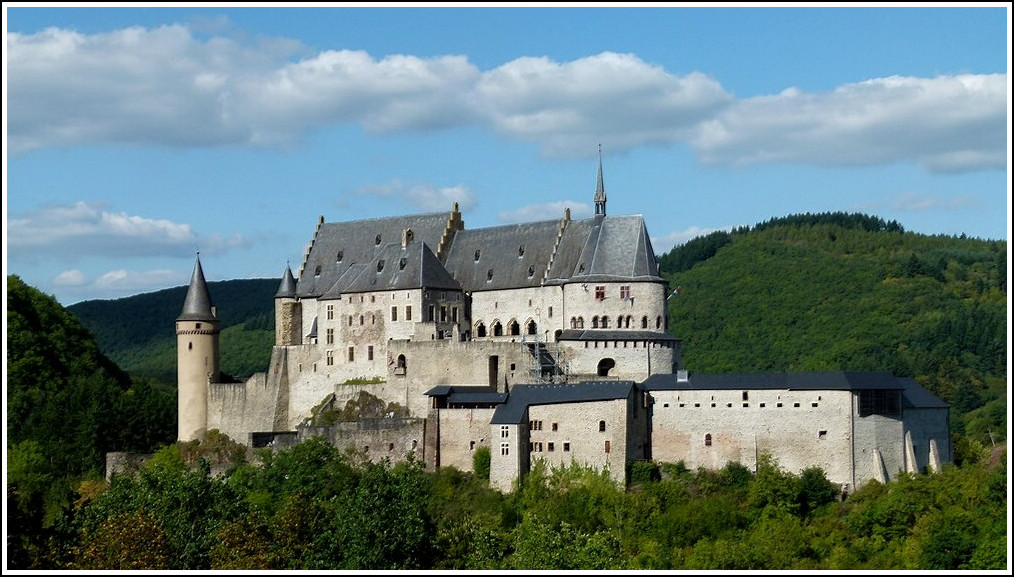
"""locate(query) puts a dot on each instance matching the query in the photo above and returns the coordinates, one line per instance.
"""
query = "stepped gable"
(517, 255)
(394, 267)
(617, 248)
(338, 246)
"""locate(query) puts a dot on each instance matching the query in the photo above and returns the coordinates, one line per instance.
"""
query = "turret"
(288, 312)
(196, 356)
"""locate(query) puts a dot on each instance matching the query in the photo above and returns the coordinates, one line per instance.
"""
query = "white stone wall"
(462, 431)
(810, 428)
(508, 455)
(879, 447)
(647, 300)
(377, 439)
(634, 360)
(926, 425)
(544, 305)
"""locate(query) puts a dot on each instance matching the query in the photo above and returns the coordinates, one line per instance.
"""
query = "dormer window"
(316, 271)
(341, 255)
(402, 263)
(380, 265)
(489, 275)
(531, 271)
(476, 255)
(521, 251)
(377, 240)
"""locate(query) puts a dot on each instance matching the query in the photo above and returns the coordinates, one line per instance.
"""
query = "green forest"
(829, 291)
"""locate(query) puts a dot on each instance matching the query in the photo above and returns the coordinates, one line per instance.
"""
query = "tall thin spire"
(197, 305)
(600, 189)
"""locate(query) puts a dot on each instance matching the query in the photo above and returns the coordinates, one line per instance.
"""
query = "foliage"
(481, 460)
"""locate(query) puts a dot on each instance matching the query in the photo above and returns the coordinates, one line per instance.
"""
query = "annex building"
(545, 340)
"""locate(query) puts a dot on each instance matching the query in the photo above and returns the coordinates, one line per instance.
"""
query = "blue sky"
(137, 136)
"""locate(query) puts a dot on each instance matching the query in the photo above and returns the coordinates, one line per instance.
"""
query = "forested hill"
(139, 334)
(849, 292)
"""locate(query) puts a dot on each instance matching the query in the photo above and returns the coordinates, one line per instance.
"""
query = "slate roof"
(510, 256)
(359, 242)
(520, 397)
(467, 395)
(913, 394)
(287, 288)
(614, 335)
(197, 304)
(396, 268)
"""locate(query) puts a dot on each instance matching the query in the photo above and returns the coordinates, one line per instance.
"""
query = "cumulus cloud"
(546, 211)
(166, 86)
(426, 197)
(947, 123)
(79, 230)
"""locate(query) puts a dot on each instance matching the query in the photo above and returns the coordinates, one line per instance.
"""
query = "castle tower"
(288, 312)
(600, 190)
(196, 357)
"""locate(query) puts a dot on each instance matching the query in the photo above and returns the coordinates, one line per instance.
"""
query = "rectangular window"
(555, 427)
(879, 402)
(504, 432)
(429, 313)
(394, 313)
(625, 292)
(602, 426)
(607, 446)
(454, 314)
(330, 336)
(330, 312)
(443, 314)
(550, 447)
(408, 312)
(505, 449)
(600, 293)
(550, 312)
(330, 357)
(352, 354)
(369, 353)
(566, 447)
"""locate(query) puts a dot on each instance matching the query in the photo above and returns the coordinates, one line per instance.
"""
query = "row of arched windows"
(622, 322)
(497, 329)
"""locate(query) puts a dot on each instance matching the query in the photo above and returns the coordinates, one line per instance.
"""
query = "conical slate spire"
(600, 190)
(288, 287)
(197, 305)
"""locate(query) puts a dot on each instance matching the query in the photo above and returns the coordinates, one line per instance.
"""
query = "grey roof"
(337, 246)
(521, 397)
(398, 268)
(499, 257)
(617, 248)
(467, 395)
(836, 380)
(287, 288)
(197, 304)
(614, 335)
(915, 396)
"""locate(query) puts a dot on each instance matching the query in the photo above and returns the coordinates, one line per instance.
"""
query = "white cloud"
(76, 286)
(165, 86)
(78, 230)
(667, 242)
(609, 96)
(947, 123)
(910, 202)
(546, 211)
(426, 197)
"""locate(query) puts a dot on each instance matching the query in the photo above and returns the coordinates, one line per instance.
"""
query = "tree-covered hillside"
(850, 292)
(68, 404)
(138, 332)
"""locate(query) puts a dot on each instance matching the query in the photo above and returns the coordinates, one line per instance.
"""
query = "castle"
(545, 340)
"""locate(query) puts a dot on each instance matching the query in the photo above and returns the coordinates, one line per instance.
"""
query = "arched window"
(605, 365)
(580, 322)
(707, 440)
(497, 329)
(595, 322)
(573, 322)
(658, 322)
(605, 322)
(513, 328)
(644, 322)
(480, 330)
(531, 327)
(401, 363)
(628, 321)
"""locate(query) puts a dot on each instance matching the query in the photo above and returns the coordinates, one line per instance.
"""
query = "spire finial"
(600, 189)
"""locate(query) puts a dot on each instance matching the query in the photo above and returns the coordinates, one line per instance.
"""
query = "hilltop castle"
(545, 340)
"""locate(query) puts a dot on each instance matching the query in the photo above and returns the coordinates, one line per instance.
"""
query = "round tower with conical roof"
(288, 313)
(196, 357)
